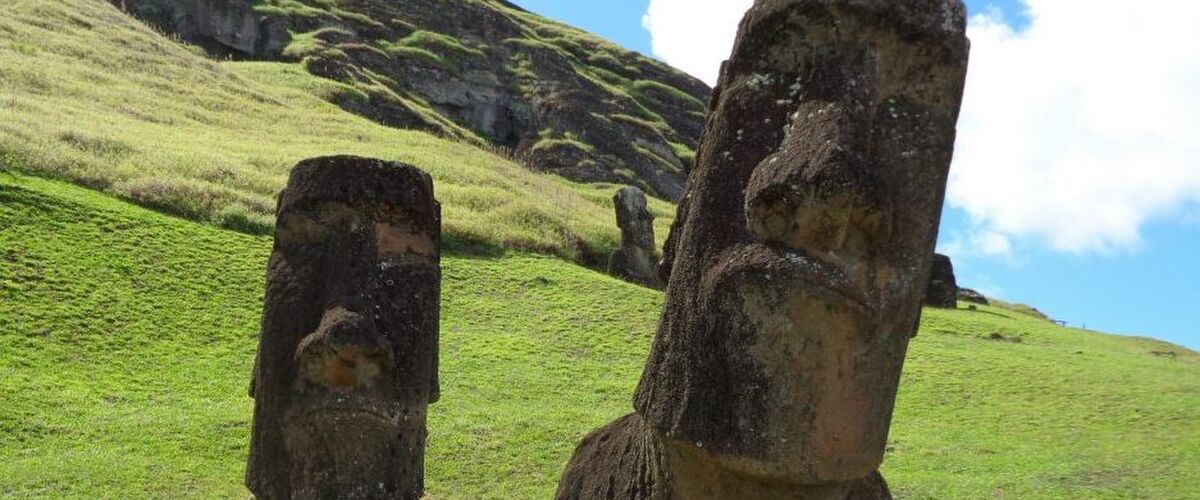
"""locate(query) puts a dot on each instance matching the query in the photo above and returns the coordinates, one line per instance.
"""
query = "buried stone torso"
(347, 360)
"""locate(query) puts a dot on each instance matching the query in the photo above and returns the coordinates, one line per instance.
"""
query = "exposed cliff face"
(562, 100)
(225, 28)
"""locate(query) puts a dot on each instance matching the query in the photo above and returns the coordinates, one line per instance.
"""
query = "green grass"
(418, 53)
(127, 338)
(665, 95)
(565, 142)
(685, 154)
(126, 335)
(437, 48)
(313, 43)
(650, 127)
(440, 41)
(313, 9)
(1019, 308)
(92, 96)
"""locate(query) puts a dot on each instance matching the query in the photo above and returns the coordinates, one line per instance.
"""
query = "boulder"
(347, 358)
(635, 260)
(969, 295)
(798, 260)
(943, 289)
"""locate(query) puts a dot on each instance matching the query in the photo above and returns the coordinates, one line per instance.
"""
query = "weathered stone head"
(943, 288)
(634, 219)
(347, 359)
(635, 260)
(800, 256)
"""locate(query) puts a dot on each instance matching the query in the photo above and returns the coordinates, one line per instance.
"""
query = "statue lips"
(798, 313)
(793, 265)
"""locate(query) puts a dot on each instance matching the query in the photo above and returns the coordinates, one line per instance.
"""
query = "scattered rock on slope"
(562, 100)
(969, 295)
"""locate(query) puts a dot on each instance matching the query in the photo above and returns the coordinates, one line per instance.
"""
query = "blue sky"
(1108, 238)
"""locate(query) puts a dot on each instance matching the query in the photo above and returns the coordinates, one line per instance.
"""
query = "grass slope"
(90, 95)
(127, 338)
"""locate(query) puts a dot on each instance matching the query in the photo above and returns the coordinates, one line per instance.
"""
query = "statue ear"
(663, 270)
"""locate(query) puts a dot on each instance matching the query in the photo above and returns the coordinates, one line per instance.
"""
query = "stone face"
(943, 289)
(347, 359)
(801, 251)
(636, 259)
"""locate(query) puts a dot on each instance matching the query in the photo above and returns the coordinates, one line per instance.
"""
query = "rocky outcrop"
(969, 295)
(943, 289)
(484, 71)
(636, 258)
(224, 28)
(797, 261)
(347, 359)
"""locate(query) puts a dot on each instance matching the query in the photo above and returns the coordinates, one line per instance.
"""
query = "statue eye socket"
(317, 224)
(293, 229)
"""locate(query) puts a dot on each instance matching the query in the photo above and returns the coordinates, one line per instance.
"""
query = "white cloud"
(1076, 130)
(979, 242)
(694, 35)
(981, 283)
(1079, 129)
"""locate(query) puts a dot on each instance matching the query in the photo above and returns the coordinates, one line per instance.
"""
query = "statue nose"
(345, 353)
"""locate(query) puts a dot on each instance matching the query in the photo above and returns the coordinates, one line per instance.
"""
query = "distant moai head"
(347, 360)
(942, 290)
(801, 252)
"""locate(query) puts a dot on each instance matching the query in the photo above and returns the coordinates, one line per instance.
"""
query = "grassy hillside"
(126, 335)
(90, 95)
(127, 338)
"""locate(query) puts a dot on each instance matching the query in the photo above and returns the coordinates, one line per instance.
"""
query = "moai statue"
(943, 288)
(797, 261)
(348, 353)
(636, 259)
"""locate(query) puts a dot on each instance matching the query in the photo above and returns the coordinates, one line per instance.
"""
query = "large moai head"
(801, 252)
(347, 359)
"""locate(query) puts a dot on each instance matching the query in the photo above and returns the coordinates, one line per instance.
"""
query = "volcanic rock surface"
(943, 288)
(485, 71)
(797, 261)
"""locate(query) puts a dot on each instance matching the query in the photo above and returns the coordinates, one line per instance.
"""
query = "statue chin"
(812, 339)
(360, 444)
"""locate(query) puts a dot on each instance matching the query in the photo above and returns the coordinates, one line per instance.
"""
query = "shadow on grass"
(471, 248)
(14, 195)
